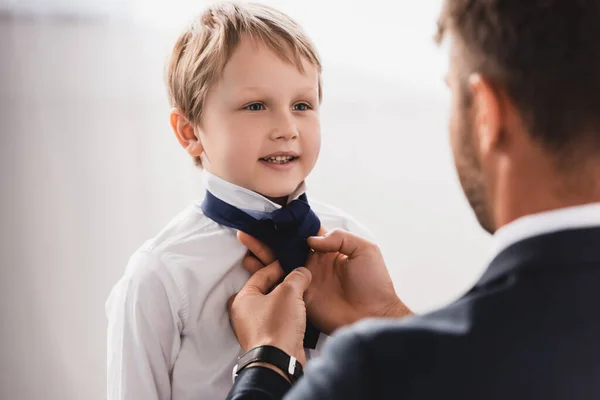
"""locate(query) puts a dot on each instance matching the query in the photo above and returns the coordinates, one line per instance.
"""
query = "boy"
(245, 84)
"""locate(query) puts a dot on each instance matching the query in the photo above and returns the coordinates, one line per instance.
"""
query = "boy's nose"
(287, 134)
(285, 129)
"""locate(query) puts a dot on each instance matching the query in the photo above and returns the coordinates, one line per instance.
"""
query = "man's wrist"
(271, 367)
(282, 345)
(270, 357)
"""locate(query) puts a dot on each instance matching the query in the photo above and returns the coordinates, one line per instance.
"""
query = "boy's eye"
(301, 107)
(255, 107)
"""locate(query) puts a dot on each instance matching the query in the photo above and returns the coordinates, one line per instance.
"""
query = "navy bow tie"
(284, 230)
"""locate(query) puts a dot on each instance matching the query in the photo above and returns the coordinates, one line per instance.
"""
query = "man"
(525, 134)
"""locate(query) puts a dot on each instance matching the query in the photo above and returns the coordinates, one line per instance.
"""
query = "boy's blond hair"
(202, 51)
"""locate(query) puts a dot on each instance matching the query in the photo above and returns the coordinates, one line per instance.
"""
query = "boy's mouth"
(279, 159)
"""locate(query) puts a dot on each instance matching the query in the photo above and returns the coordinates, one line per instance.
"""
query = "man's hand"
(277, 318)
(350, 282)
(349, 279)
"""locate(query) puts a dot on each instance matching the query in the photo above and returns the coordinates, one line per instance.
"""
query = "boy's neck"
(212, 179)
(282, 201)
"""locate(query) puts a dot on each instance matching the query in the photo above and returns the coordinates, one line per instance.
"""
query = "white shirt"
(576, 217)
(169, 335)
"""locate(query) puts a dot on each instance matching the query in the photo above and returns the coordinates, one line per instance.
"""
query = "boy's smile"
(281, 160)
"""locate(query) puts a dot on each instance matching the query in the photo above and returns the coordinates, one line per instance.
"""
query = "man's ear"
(487, 115)
(184, 131)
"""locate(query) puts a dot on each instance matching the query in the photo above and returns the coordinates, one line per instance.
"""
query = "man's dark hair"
(545, 55)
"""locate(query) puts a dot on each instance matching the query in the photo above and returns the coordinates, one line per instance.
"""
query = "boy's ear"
(184, 131)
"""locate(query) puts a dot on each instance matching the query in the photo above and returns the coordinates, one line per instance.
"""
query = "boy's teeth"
(278, 159)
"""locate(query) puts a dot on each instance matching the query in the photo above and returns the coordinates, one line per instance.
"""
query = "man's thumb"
(338, 240)
(299, 279)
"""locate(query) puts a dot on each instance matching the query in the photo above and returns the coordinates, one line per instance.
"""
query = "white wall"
(89, 170)
(68, 8)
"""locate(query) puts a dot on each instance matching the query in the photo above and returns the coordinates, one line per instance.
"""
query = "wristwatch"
(269, 355)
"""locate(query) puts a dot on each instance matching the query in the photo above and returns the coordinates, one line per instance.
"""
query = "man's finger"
(264, 278)
(322, 231)
(230, 302)
(340, 241)
(256, 247)
(298, 280)
(252, 264)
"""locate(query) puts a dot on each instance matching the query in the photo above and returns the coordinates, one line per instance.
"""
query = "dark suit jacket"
(529, 329)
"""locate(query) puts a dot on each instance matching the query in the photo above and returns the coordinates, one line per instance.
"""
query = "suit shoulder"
(367, 359)
(392, 336)
(450, 320)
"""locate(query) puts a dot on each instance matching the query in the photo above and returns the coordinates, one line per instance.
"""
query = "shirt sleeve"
(259, 383)
(143, 331)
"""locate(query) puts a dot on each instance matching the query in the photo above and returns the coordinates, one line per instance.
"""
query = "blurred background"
(90, 168)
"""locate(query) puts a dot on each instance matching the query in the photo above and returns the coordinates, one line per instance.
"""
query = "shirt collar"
(243, 198)
(576, 217)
